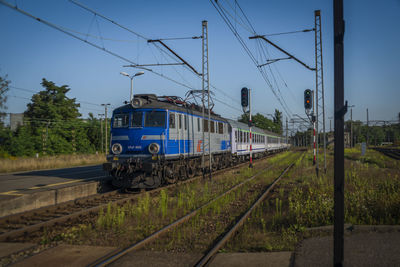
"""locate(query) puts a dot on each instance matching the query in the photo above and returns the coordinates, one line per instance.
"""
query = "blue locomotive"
(159, 140)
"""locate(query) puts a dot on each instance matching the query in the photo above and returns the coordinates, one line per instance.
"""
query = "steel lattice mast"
(319, 84)
(206, 88)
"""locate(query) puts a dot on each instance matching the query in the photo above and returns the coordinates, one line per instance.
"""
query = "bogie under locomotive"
(159, 140)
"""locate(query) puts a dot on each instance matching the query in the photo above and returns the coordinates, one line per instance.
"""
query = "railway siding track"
(112, 257)
(390, 152)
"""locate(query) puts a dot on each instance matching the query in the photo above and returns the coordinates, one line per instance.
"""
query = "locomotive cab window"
(121, 120)
(172, 120)
(154, 119)
(136, 119)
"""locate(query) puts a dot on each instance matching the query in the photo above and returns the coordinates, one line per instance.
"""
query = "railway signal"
(245, 97)
(307, 99)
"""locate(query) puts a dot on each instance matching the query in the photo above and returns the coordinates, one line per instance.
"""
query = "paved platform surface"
(25, 191)
(17, 184)
(66, 255)
(9, 248)
(271, 259)
(360, 249)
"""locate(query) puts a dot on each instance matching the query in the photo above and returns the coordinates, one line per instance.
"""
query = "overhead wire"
(217, 6)
(145, 38)
(65, 31)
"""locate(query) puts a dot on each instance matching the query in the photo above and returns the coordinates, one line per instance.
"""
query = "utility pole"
(251, 137)
(313, 122)
(101, 131)
(287, 130)
(340, 110)
(105, 126)
(367, 128)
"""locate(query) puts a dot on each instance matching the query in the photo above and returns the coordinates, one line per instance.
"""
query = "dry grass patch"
(49, 162)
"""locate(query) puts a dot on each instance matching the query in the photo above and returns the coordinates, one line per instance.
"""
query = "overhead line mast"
(319, 83)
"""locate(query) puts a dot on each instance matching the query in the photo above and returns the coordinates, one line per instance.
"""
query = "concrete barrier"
(35, 200)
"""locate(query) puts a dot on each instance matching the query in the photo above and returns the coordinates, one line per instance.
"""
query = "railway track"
(26, 223)
(390, 152)
(117, 254)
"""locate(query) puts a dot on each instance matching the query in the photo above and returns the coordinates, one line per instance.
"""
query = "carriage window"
(205, 125)
(180, 121)
(185, 117)
(198, 124)
(212, 123)
(136, 120)
(236, 136)
(172, 120)
(154, 119)
(220, 128)
(121, 120)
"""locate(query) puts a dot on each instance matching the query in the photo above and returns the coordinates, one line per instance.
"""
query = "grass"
(48, 162)
(121, 226)
(372, 197)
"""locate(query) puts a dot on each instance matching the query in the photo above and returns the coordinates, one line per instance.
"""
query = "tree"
(53, 118)
(278, 122)
(52, 104)
(262, 122)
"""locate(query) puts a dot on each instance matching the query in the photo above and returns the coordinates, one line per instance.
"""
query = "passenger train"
(159, 140)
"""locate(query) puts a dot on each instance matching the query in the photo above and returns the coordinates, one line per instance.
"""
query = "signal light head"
(307, 99)
(245, 97)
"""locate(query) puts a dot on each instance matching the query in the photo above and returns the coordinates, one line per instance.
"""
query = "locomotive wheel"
(169, 175)
(191, 172)
(182, 173)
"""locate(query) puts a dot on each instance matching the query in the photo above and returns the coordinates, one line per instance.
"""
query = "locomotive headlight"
(136, 102)
(154, 148)
(116, 148)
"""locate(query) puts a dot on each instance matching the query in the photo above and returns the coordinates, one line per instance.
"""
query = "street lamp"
(131, 77)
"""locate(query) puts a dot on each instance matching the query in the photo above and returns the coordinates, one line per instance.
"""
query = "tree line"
(51, 125)
(371, 134)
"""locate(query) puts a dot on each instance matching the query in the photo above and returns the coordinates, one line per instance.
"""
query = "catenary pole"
(105, 127)
(340, 109)
(251, 136)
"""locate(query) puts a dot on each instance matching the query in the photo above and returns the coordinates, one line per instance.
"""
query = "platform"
(25, 191)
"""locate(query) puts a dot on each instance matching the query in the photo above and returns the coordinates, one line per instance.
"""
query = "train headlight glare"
(154, 148)
(116, 148)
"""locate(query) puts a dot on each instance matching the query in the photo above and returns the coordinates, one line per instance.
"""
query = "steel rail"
(389, 152)
(204, 260)
(113, 256)
(23, 231)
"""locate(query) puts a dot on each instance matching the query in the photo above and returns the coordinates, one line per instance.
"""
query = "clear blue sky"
(30, 51)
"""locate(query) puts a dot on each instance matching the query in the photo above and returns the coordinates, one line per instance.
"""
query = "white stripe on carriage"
(120, 137)
(153, 137)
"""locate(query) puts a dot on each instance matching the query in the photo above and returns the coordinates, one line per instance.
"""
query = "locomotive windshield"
(154, 119)
(121, 120)
(136, 119)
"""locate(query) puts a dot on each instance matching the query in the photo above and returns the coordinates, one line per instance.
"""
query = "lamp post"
(131, 77)
(351, 125)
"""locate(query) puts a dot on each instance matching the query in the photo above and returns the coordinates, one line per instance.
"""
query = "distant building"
(16, 120)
